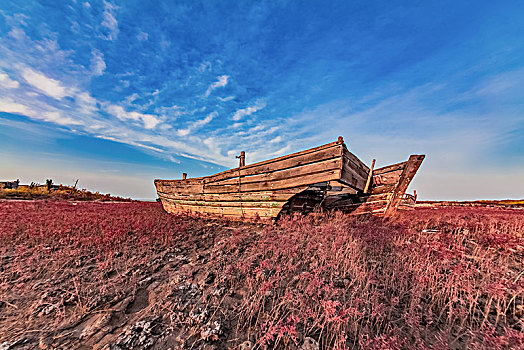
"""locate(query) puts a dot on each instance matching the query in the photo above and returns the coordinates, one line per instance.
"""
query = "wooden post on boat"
(184, 176)
(242, 159)
(241, 163)
(415, 194)
(370, 177)
(340, 139)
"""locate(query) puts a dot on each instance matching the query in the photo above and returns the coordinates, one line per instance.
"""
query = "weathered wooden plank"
(280, 175)
(296, 161)
(180, 181)
(409, 171)
(326, 175)
(375, 197)
(351, 176)
(382, 189)
(370, 177)
(348, 204)
(367, 210)
(192, 187)
(277, 195)
(182, 190)
(340, 202)
(388, 168)
(266, 204)
(359, 208)
(226, 211)
(188, 188)
(356, 164)
(389, 178)
(181, 184)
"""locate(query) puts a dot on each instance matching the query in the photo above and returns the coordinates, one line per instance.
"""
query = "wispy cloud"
(142, 36)
(58, 117)
(249, 110)
(109, 21)
(204, 66)
(149, 120)
(197, 124)
(46, 85)
(7, 82)
(221, 82)
(7, 105)
(98, 65)
(225, 99)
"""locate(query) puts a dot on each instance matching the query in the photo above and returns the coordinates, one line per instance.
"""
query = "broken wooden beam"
(370, 176)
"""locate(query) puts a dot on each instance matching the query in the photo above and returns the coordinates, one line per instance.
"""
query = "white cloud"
(98, 65)
(165, 44)
(183, 132)
(197, 124)
(58, 118)
(142, 36)
(117, 111)
(86, 103)
(110, 21)
(202, 122)
(131, 98)
(7, 105)
(86, 98)
(276, 139)
(225, 99)
(149, 121)
(7, 82)
(151, 148)
(17, 33)
(221, 82)
(204, 66)
(249, 110)
(87, 5)
(48, 86)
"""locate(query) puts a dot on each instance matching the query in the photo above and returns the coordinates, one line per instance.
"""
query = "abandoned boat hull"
(269, 188)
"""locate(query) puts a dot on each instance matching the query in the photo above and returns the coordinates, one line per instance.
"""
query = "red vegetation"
(60, 192)
(112, 273)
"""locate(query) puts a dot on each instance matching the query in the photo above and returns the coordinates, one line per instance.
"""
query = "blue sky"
(117, 93)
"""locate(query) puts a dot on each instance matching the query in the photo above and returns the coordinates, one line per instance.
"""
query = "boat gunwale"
(264, 162)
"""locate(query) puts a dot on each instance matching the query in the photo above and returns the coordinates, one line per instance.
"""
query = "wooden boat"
(327, 177)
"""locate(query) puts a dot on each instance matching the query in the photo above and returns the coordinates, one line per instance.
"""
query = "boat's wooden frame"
(328, 177)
